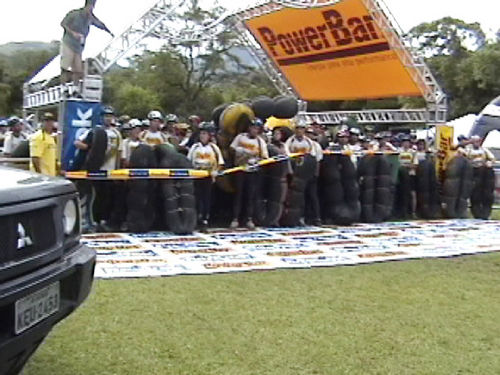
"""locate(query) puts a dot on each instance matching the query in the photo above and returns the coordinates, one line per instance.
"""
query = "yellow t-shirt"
(44, 147)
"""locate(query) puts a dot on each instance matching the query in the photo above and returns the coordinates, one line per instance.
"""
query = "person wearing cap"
(382, 143)
(342, 141)
(153, 136)
(300, 143)
(43, 147)
(249, 148)
(321, 135)
(354, 144)
(132, 142)
(76, 25)
(170, 130)
(205, 155)
(183, 135)
(479, 156)
(14, 137)
(194, 122)
(464, 145)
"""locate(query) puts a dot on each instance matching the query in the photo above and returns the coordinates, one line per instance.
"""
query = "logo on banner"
(84, 119)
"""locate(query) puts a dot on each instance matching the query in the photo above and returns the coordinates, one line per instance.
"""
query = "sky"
(39, 20)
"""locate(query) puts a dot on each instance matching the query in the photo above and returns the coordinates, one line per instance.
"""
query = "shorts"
(71, 60)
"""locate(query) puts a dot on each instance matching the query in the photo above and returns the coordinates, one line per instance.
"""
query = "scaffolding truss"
(159, 22)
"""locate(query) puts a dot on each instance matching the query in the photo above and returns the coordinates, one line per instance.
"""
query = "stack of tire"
(375, 182)
(483, 193)
(141, 196)
(403, 207)
(177, 195)
(428, 199)
(340, 190)
(271, 198)
(457, 187)
(303, 171)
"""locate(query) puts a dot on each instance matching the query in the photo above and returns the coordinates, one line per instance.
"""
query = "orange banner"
(333, 52)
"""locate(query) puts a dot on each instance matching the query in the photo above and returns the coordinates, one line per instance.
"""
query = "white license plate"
(36, 307)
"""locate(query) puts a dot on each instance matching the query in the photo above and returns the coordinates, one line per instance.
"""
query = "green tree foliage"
(191, 77)
(15, 69)
(466, 65)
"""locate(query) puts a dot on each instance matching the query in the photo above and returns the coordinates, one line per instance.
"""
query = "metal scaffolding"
(159, 22)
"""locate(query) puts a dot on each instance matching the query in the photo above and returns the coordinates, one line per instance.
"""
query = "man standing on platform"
(76, 27)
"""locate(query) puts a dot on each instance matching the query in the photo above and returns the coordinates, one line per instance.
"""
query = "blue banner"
(78, 118)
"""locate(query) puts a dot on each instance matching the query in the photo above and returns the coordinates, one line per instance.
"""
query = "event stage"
(220, 251)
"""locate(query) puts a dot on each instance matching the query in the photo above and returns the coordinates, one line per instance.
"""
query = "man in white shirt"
(205, 155)
(153, 136)
(14, 138)
(249, 148)
(132, 142)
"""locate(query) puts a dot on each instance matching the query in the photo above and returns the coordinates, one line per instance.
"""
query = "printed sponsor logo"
(342, 243)
(243, 235)
(131, 261)
(306, 233)
(214, 266)
(106, 243)
(258, 242)
(378, 234)
(269, 247)
(96, 237)
(336, 37)
(187, 246)
(128, 254)
(317, 261)
(322, 239)
(118, 247)
(201, 251)
(386, 254)
(214, 258)
(294, 253)
(173, 240)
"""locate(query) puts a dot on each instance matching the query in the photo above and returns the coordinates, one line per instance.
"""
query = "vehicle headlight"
(70, 217)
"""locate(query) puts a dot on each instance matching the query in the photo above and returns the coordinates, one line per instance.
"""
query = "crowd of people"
(198, 141)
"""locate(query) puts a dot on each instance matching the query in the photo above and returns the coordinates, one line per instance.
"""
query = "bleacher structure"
(159, 23)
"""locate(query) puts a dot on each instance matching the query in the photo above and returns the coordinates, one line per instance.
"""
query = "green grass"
(417, 317)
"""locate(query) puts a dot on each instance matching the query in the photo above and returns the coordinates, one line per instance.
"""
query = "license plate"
(36, 307)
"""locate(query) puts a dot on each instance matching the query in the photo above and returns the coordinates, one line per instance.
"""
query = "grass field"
(417, 317)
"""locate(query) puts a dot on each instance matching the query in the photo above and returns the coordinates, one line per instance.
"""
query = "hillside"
(14, 48)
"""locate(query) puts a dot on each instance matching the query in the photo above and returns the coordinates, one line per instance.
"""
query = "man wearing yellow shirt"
(43, 148)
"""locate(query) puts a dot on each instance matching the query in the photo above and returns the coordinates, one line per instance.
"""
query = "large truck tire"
(98, 141)
(285, 107)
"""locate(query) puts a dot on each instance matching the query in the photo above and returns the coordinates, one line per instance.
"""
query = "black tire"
(403, 201)
(263, 107)
(457, 187)
(143, 157)
(482, 197)
(22, 150)
(427, 189)
(285, 107)
(217, 112)
(98, 141)
(304, 167)
(367, 182)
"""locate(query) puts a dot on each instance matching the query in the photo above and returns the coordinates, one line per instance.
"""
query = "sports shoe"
(204, 225)
(234, 224)
(250, 224)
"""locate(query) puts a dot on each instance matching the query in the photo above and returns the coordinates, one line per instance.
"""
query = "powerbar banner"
(333, 52)
(221, 251)
(444, 142)
(79, 117)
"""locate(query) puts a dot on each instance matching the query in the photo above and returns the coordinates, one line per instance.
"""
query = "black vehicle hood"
(20, 186)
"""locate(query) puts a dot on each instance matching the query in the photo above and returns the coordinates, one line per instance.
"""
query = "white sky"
(38, 20)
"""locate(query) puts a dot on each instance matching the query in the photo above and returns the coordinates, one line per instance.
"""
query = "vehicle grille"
(24, 235)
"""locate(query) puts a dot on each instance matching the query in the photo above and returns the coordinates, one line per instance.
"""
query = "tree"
(447, 36)
(135, 101)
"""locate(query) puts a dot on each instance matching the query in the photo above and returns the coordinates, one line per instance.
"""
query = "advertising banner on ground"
(79, 116)
(444, 142)
(334, 52)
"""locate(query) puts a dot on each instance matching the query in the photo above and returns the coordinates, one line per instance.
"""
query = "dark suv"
(45, 273)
